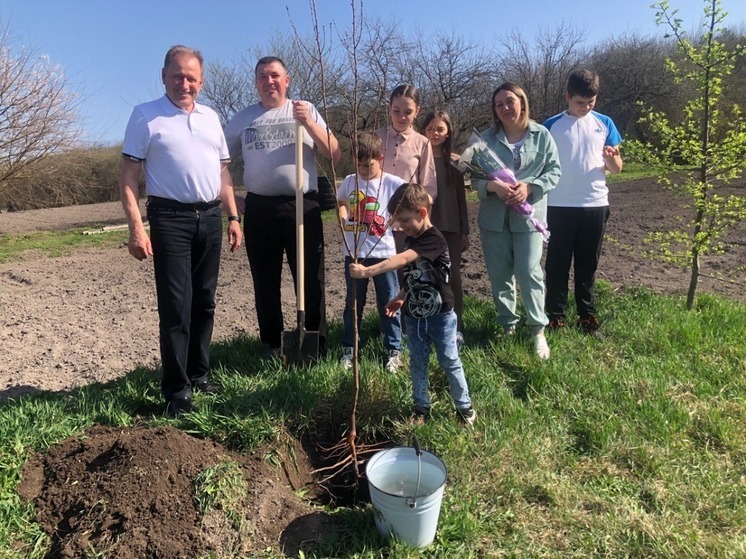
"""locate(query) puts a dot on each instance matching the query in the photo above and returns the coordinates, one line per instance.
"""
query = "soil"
(129, 494)
(91, 317)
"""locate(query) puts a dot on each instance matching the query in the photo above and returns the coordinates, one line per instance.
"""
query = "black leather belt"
(157, 201)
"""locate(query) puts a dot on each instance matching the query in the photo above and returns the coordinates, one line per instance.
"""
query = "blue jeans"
(441, 331)
(186, 258)
(387, 287)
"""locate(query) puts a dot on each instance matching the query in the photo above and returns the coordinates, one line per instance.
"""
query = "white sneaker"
(540, 346)
(346, 357)
(393, 362)
(509, 330)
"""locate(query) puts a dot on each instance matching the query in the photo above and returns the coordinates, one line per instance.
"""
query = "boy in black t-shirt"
(426, 300)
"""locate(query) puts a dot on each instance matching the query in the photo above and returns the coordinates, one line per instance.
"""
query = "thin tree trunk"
(703, 171)
(693, 280)
(352, 434)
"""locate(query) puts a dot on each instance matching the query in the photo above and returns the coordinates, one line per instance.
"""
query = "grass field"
(58, 243)
(630, 446)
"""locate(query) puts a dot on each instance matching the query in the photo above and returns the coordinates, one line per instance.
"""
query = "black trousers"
(269, 230)
(186, 258)
(577, 234)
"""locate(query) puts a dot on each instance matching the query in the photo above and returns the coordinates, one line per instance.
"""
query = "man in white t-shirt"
(578, 207)
(264, 134)
(180, 145)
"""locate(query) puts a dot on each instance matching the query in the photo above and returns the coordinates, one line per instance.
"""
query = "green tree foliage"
(710, 139)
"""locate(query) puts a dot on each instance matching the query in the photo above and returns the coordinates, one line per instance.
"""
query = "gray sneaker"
(468, 416)
(393, 361)
(347, 357)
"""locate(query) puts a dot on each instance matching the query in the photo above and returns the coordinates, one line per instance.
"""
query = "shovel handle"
(300, 296)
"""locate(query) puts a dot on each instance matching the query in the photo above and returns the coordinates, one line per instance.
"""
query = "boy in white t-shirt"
(363, 200)
(578, 207)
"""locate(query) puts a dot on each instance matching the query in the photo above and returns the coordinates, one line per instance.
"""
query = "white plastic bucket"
(392, 478)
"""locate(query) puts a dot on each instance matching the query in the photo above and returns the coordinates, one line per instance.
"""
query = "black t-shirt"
(426, 280)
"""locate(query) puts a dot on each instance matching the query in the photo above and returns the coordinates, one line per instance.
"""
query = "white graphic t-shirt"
(367, 227)
(266, 139)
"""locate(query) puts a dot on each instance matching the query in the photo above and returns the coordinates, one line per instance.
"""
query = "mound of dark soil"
(128, 493)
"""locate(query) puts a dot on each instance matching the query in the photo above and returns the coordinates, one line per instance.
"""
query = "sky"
(113, 50)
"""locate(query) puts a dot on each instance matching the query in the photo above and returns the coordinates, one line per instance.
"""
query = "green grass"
(632, 446)
(631, 171)
(63, 243)
(58, 243)
(329, 216)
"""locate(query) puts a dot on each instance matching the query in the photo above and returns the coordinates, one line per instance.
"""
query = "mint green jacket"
(540, 167)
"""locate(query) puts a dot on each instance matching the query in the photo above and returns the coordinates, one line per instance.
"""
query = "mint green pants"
(512, 257)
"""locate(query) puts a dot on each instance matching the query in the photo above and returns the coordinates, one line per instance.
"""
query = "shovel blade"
(299, 347)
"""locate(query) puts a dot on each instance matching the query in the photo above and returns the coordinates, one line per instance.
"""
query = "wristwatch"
(234, 218)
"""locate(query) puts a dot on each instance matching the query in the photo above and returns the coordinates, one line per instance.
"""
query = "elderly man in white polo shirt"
(181, 146)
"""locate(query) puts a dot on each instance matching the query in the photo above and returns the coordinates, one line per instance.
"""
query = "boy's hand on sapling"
(357, 271)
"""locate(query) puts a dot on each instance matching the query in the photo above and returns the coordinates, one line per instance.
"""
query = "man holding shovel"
(180, 145)
(265, 134)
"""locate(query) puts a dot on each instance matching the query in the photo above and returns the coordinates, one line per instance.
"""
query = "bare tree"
(542, 69)
(229, 88)
(229, 85)
(632, 69)
(381, 67)
(39, 108)
(299, 53)
(457, 76)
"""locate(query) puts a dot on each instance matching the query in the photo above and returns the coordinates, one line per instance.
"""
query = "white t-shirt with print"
(367, 225)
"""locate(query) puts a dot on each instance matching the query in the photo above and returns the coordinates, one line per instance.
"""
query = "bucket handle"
(412, 501)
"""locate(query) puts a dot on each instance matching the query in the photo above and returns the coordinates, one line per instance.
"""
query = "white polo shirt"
(182, 151)
(580, 142)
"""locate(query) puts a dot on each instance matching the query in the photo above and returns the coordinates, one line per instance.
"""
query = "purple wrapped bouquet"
(482, 163)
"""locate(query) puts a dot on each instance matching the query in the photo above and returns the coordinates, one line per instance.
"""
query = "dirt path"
(91, 316)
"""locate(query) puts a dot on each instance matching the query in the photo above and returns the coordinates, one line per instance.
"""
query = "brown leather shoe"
(591, 327)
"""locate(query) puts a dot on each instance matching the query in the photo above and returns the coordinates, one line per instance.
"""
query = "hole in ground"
(326, 448)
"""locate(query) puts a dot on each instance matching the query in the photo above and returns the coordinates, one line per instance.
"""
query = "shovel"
(299, 346)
